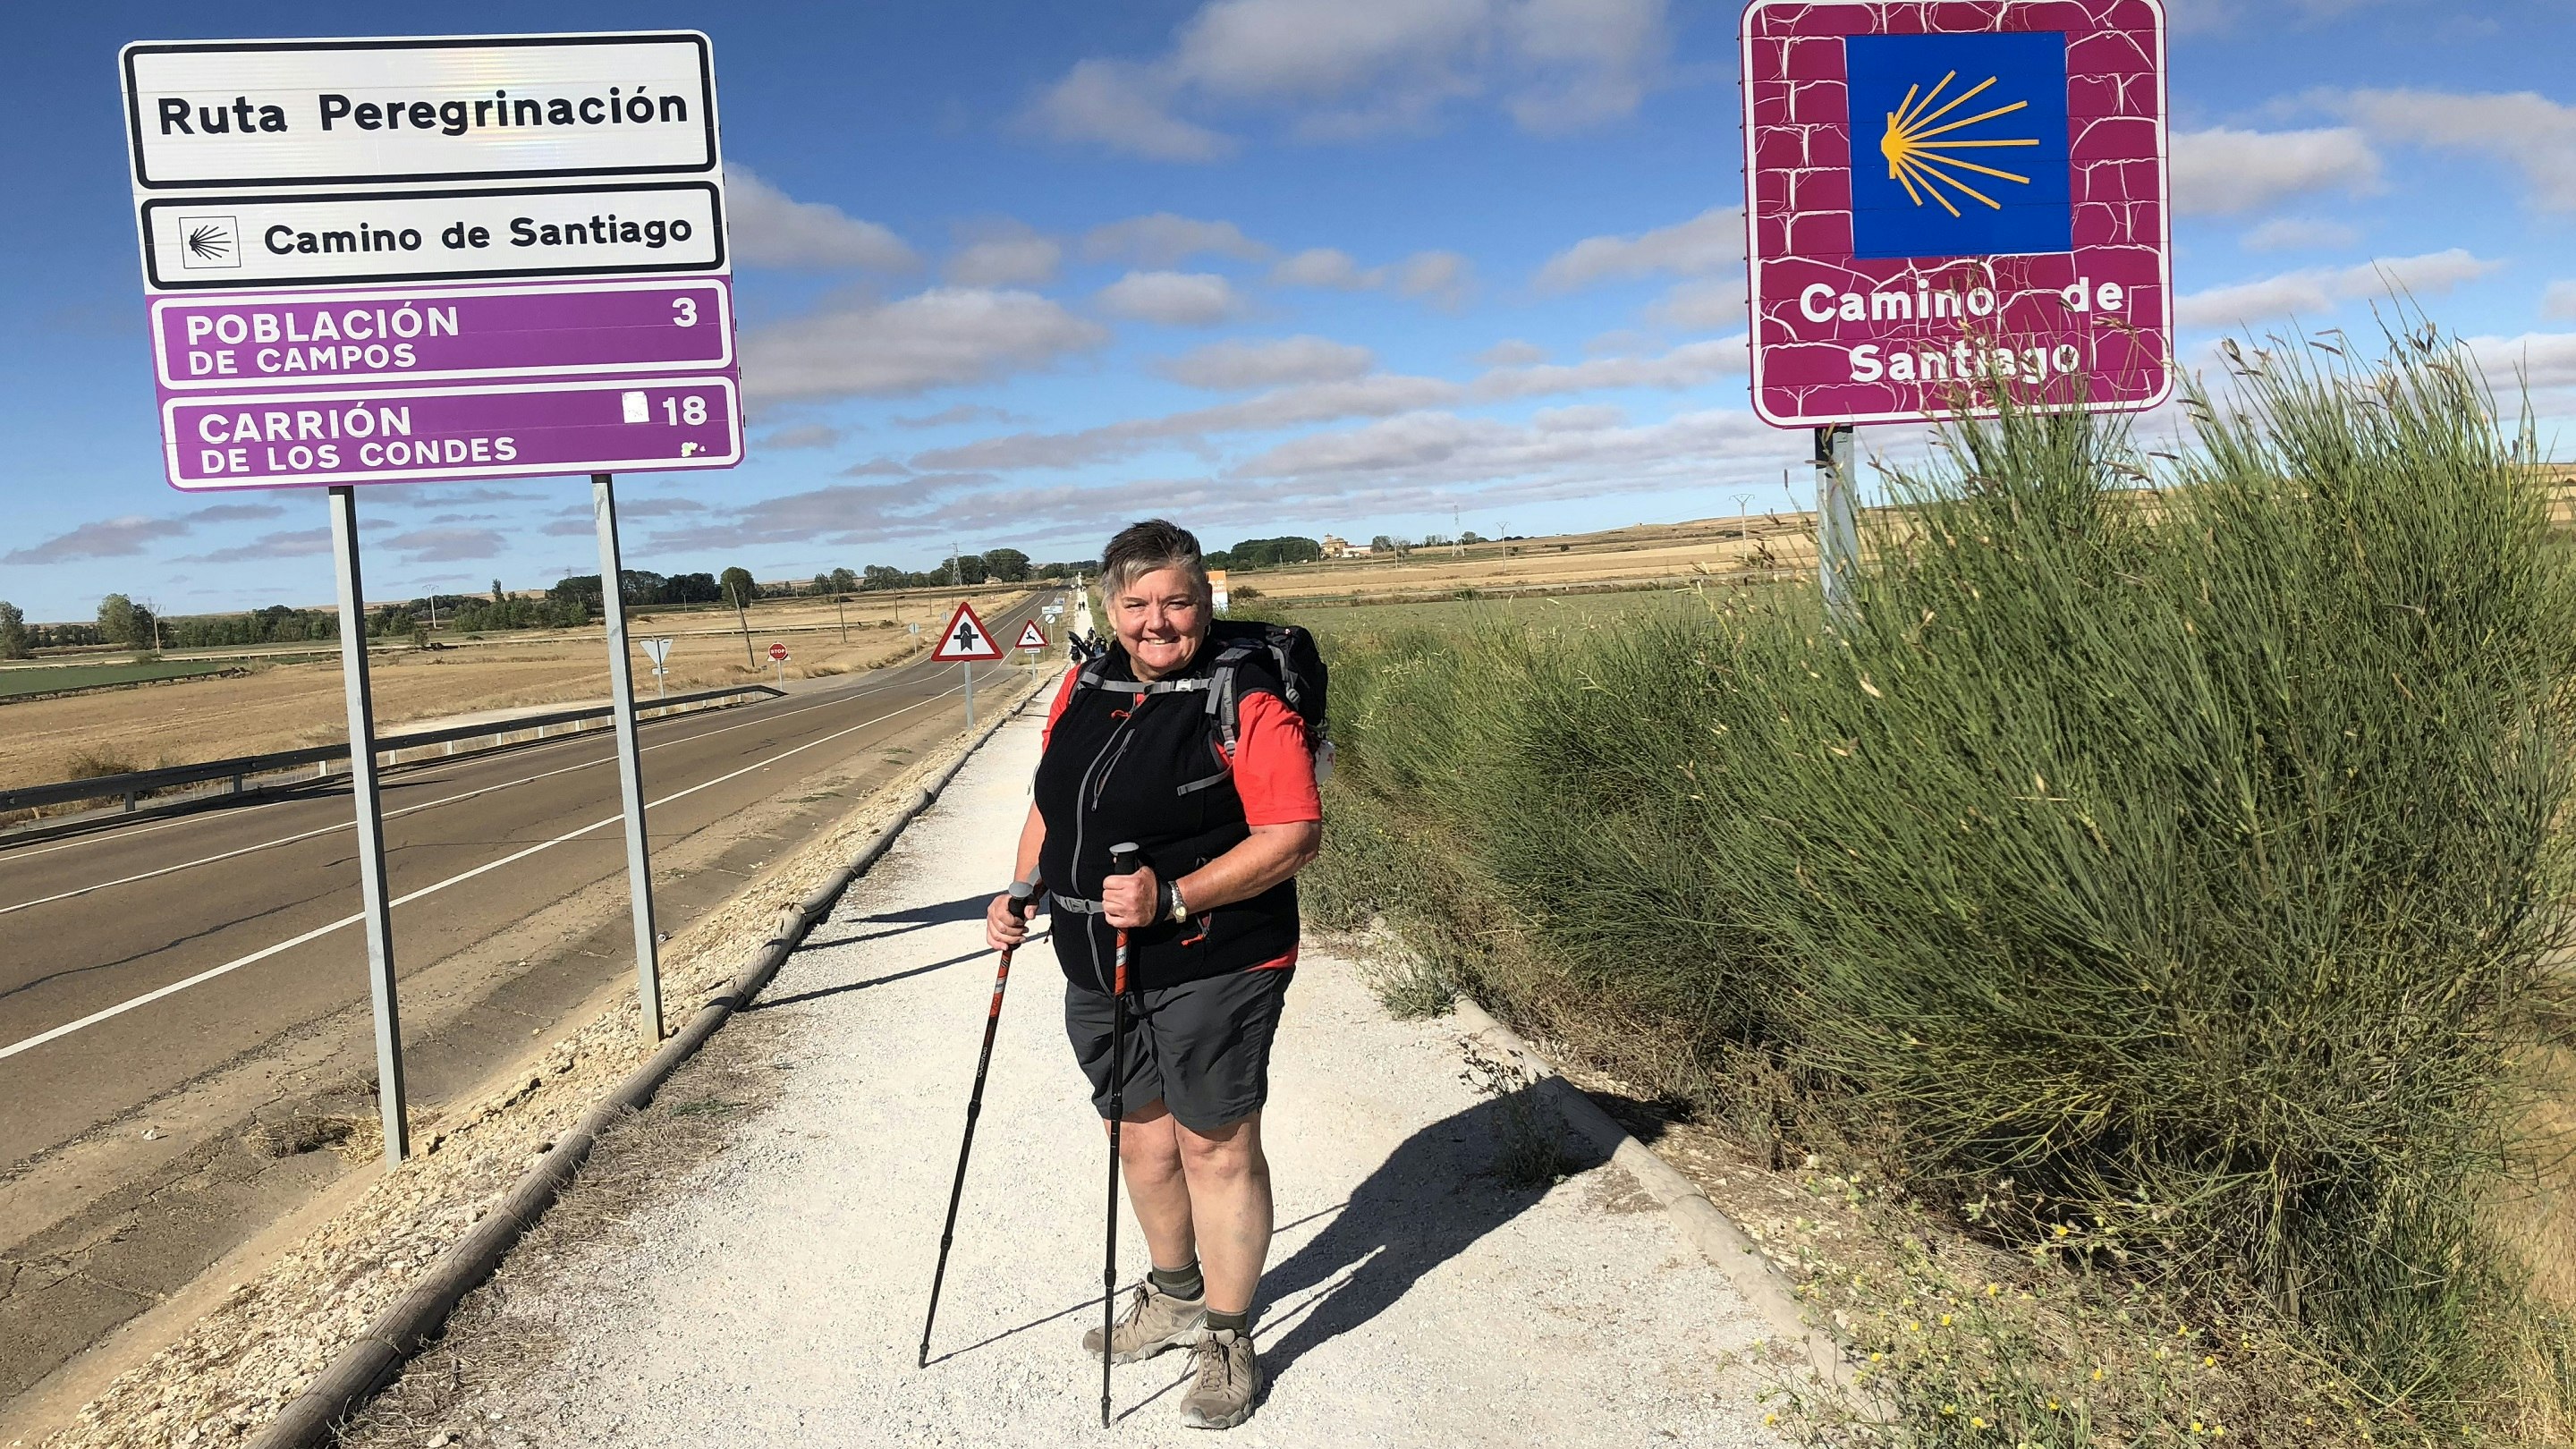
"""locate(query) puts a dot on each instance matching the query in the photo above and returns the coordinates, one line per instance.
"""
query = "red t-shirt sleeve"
(1055, 711)
(1274, 770)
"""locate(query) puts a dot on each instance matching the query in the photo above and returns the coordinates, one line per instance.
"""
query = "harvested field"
(289, 706)
(1618, 558)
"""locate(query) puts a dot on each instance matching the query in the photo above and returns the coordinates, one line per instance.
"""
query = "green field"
(16, 683)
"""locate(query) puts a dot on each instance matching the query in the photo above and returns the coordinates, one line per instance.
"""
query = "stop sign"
(778, 652)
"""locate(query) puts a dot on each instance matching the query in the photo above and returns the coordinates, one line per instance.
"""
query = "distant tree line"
(573, 601)
(1259, 553)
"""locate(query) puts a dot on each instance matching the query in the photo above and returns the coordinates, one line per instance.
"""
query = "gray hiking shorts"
(1202, 1047)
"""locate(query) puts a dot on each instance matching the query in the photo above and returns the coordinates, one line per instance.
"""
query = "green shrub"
(2174, 867)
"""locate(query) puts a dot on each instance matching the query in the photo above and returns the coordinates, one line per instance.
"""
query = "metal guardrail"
(142, 782)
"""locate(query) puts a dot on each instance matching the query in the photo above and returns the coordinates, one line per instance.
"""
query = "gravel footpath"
(1417, 1295)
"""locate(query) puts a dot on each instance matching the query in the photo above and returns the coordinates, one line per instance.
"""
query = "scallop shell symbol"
(1915, 153)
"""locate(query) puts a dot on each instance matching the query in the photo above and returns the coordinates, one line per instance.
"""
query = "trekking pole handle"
(1125, 859)
(1023, 895)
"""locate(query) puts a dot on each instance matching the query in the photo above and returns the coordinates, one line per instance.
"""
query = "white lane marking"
(210, 973)
(416, 809)
(130, 832)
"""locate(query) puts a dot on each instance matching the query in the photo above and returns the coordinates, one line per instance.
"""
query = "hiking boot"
(1226, 1379)
(1155, 1321)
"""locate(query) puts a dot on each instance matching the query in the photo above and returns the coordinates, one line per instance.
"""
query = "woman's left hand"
(1132, 901)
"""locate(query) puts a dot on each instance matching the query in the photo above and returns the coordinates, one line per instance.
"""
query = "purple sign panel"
(257, 342)
(396, 435)
(1948, 200)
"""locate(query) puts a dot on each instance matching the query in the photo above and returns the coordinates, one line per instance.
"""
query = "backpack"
(1285, 650)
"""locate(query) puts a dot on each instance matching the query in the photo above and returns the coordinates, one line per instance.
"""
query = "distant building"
(1344, 548)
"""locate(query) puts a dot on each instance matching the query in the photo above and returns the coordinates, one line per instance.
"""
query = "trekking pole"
(1122, 861)
(1023, 901)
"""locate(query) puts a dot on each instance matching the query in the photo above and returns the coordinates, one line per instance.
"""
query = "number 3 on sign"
(685, 311)
(689, 410)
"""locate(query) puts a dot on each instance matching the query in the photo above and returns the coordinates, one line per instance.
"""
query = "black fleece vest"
(1149, 768)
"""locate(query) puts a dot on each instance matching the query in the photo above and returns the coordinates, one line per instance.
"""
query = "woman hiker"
(1135, 751)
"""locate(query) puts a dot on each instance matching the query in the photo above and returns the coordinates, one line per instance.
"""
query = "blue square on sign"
(1959, 144)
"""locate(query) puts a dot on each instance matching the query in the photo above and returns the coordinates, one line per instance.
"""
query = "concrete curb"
(1702, 1222)
(311, 1417)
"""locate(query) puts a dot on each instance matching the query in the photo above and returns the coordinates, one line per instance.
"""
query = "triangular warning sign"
(965, 639)
(1032, 637)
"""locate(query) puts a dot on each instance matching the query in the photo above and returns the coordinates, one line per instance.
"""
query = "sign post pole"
(630, 763)
(371, 828)
(1837, 532)
(969, 667)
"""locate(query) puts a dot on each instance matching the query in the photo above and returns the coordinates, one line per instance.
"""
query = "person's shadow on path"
(1437, 1193)
(908, 919)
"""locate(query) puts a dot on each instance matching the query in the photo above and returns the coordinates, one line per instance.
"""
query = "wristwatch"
(1173, 906)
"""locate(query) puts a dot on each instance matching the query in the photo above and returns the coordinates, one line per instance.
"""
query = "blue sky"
(1014, 273)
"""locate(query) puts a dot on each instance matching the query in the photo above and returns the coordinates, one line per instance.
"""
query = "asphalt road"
(242, 915)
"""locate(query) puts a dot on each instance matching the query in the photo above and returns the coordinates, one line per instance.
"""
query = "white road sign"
(234, 113)
(657, 650)
(1031, 636)
(235, 241)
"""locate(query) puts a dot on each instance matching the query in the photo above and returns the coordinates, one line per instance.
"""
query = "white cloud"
(2539, 360)
(1686, 366)
(1327, 268)
(1712, 241)
(801, 435)
(1174, 299)
(1511, 461)
(938, 338)
(449, 545)
(291, 543)
(132, 533)
(2559, 300)
(2531, 132)
(1377, 395)
(1007, 254)
(2300, 234)
(769, 228)
(1510, 351)
(1343, 69)
(2226, 172)
(1233, 364)
(2319, 289)
(1711, 304)
(1592, 59)
(1164, 239)
(1443, 278)
(1124, 107)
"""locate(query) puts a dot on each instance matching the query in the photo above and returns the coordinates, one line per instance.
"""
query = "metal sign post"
(1837, 531)
(630, 761)
(371, 828)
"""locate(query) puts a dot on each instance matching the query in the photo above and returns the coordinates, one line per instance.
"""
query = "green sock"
(1239, 1322)
(1181, 1282)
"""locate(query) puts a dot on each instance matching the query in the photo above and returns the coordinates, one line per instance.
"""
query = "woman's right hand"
(1004, 927)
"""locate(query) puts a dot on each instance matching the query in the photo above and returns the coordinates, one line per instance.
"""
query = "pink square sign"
(1945, 198)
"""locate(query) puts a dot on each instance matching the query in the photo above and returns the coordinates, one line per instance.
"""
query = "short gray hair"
(1143, 548)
